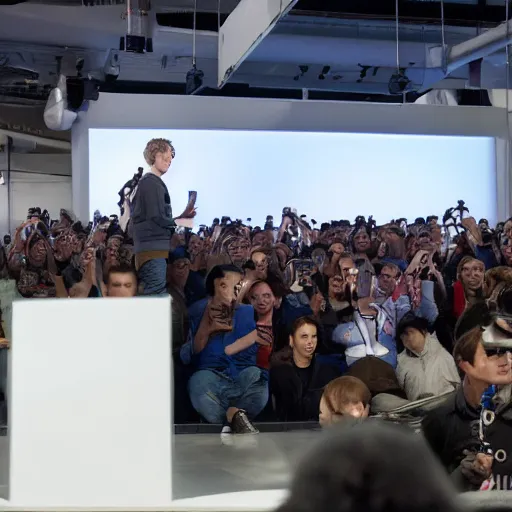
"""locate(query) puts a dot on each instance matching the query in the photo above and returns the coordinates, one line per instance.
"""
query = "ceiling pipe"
(429, 63)
(437, 63)
(426, 64)
(42, 141)
(337, 51)
(479, 47)
(369, 88)
(456, 57)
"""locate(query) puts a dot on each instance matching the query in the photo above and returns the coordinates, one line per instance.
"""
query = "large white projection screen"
(326, 176)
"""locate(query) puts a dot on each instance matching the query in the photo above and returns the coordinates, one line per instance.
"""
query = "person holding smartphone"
(153, 223)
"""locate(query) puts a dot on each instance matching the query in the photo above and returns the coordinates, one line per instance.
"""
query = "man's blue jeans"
(213, 393)
(153, 277)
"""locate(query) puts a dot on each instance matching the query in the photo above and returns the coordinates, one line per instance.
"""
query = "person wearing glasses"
(471, 432)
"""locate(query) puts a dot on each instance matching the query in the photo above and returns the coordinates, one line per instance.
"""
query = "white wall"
(465, 166)
(498, 97)
(43, 163)
(48, 192)
(29, 190)
(35, 185)
(188, 112)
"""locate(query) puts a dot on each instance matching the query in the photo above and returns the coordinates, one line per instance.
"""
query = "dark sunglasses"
(496, 351)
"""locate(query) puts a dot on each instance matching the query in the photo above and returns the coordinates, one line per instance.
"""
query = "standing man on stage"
(153, 224)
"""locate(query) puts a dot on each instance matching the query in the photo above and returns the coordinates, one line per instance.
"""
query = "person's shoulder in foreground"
(370, 467)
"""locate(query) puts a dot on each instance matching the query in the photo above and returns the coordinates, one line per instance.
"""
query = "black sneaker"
(240, 424)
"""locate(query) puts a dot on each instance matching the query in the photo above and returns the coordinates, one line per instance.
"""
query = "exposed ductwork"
(356, 64)
(482, 56)
(273, 44)
(479, 47)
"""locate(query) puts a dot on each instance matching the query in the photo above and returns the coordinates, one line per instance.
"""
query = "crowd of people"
(295, 321)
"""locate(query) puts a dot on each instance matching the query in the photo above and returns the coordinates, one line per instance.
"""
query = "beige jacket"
(432, 372)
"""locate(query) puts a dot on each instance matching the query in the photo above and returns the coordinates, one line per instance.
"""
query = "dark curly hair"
(370, 467)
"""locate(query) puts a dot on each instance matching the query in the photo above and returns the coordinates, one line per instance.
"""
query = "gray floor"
(203, 465)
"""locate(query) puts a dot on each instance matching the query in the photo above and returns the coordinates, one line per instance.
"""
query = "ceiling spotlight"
(399, 83)
(194, 81)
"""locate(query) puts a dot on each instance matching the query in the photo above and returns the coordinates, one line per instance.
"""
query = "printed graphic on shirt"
(265, 334)
(502, 482)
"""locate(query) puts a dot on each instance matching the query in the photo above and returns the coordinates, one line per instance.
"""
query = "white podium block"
(90, 403)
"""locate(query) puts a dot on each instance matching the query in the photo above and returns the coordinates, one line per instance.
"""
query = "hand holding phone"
(190, 209)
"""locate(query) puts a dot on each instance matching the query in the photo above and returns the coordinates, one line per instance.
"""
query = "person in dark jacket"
(153, 224)
(452, 430)
(297, 384)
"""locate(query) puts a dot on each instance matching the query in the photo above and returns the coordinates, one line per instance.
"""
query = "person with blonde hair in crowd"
(344, 397)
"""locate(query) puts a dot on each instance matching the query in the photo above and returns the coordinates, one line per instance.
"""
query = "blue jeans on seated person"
(153, 277)
(213, 393)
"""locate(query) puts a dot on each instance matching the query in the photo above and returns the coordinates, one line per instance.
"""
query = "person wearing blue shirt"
(226, 387)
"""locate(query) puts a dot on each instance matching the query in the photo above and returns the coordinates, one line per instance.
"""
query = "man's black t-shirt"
(304, 375)
(298, 391)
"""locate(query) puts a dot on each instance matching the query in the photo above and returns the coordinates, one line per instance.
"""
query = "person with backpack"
(152, 221)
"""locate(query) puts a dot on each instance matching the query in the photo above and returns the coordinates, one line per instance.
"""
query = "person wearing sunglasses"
(472, 431)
